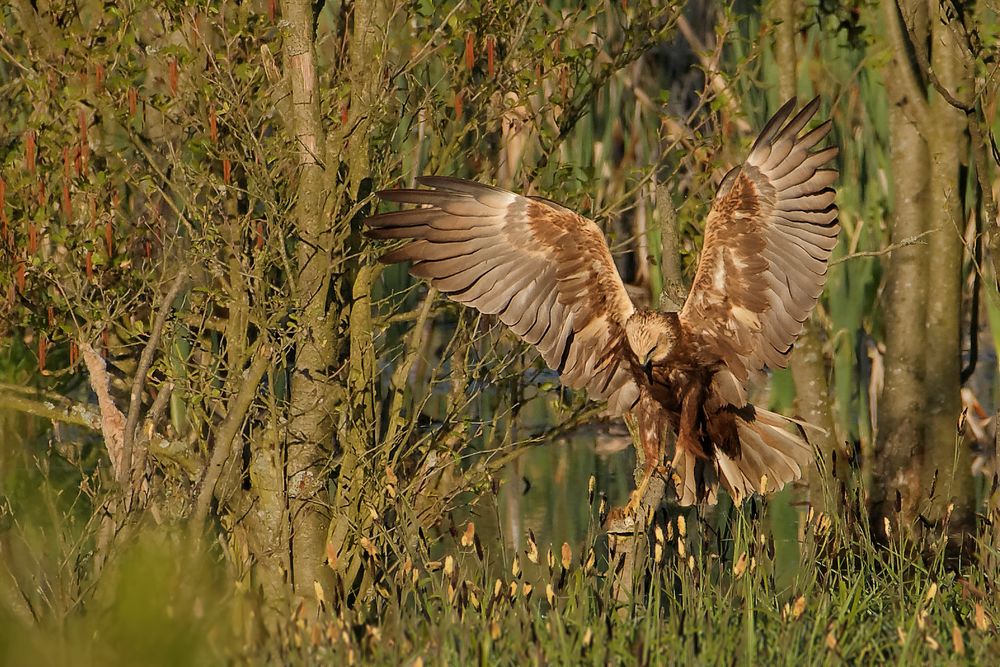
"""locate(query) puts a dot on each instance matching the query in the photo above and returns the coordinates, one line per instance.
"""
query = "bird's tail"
(770, 457)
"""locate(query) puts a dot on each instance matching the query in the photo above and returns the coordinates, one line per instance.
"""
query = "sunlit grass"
(715, 586)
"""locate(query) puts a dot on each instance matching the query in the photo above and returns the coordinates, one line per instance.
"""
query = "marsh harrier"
(547, 273)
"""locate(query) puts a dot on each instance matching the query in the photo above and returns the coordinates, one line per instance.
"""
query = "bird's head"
(652, 337)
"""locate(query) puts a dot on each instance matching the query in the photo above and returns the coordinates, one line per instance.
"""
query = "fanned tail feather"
(770, 457)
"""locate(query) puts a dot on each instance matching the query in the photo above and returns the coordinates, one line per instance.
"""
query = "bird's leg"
(688, 431)
(650, 436)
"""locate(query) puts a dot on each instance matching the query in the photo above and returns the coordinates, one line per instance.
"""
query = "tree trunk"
(946, 461)
(310, 429)
(783, 15)
(355, 483)
(899, 441)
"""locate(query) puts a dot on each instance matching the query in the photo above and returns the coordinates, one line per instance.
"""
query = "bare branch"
(911, 240)
(925, 67)
(711, 68)
(42, 405)
(238, 408)
(145, 362)
(992, 222)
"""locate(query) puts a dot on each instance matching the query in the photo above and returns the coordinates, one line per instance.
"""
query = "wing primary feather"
(768, 241)
(545, 271)
(800, 119)
(774, 125)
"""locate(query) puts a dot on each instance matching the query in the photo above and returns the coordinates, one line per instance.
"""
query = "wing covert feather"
(768, 240)
(543, 270)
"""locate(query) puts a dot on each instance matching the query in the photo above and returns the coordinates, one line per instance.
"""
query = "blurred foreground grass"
(761, 584)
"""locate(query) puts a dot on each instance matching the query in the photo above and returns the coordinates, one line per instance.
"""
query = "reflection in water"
(545, 492)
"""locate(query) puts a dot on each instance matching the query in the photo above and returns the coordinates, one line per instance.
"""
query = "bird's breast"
(668, 385)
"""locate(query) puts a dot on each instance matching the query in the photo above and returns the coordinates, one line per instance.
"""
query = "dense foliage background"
(228, 434)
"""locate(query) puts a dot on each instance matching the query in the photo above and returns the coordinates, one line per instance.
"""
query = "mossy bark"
(947, 475)
(310, 427)
(899, 442)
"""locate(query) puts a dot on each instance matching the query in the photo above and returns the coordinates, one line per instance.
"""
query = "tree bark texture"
(899, 441)
(310, 428)
(947, 462)
(783, 14)
(366, 102)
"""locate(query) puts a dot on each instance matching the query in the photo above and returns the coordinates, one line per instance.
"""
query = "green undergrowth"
(724, 586)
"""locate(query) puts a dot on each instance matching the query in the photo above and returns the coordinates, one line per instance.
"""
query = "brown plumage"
(547, 273)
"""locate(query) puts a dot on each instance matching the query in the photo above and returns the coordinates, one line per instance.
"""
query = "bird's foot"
(637, 497)
(634, 503)
(623, 519)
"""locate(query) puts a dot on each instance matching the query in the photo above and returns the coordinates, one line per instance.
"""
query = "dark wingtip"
(774, 125)
(805, 114)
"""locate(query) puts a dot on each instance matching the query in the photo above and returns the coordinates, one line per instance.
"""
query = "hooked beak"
(647, 365)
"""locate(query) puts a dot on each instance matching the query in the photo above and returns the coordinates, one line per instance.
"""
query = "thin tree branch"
(238, 408)
(710, 66)
(77, 414)
(912, 240)
(404, 365)
(925, 67)
(992, 222)
(159, 406)
(145, 362)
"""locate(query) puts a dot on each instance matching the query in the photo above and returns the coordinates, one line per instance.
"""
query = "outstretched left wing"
(544, 270)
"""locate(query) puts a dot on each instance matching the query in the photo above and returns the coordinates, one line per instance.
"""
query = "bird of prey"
(547, 273)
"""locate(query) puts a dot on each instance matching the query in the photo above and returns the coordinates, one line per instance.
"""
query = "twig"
(912, 240)
(403, 367)
(711, 70)
(14, 60)
(589, 415)
(145, 362)
(578, 105)
(992, 221)
(230, 426)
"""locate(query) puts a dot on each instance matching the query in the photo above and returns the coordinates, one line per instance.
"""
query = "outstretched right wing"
(544, 270)
(768, 238)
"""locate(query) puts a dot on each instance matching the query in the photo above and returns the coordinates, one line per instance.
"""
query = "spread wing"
(543, 270)
(768, 238)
